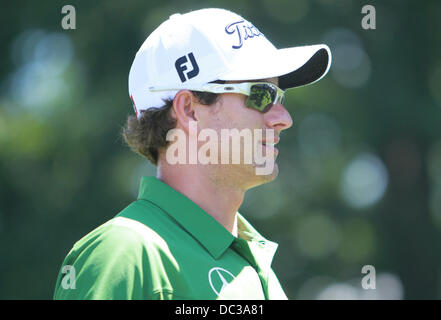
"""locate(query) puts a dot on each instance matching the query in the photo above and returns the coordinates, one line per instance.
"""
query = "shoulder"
(133, 231)
(121, 258)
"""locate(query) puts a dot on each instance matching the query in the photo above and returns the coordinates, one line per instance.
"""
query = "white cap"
(201, 46)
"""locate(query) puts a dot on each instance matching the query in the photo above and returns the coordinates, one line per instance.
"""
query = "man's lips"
(271, 145)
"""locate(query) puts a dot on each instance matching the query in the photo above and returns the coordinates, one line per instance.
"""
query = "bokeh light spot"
(364, 181)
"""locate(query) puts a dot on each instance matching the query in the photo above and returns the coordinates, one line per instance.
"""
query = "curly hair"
(146, 134)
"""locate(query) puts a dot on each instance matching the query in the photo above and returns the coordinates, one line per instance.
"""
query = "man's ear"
(183, 106)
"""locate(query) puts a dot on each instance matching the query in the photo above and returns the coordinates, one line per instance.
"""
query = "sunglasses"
(261, 96)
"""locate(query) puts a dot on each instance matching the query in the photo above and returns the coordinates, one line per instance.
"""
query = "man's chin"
(247, 176)
(265, 174)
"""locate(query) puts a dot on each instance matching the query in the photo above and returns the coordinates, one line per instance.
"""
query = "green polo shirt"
(164, 246)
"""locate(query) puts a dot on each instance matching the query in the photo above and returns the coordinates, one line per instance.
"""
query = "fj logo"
(181, 66)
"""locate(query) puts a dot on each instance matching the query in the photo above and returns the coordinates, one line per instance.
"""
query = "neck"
(214, 196)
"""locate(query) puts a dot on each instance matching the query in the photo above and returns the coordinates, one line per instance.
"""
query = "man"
(199, 73)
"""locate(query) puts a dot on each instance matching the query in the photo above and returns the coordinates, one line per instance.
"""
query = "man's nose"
(278, 118)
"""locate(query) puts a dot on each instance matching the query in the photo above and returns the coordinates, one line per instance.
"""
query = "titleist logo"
(244, 29)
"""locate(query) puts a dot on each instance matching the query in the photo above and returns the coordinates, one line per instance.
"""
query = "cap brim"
(295, 67)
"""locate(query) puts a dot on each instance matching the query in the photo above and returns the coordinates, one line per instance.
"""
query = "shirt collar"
(201, 225)
(262, 249)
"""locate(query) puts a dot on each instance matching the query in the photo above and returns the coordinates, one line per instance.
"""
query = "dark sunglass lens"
(268, 107)
(261, 97)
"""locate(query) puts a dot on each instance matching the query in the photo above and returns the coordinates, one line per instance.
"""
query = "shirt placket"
(242, 247)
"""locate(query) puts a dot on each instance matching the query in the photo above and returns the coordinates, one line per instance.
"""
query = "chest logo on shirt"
(219, 278)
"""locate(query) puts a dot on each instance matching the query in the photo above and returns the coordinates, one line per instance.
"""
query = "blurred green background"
(360, 180)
